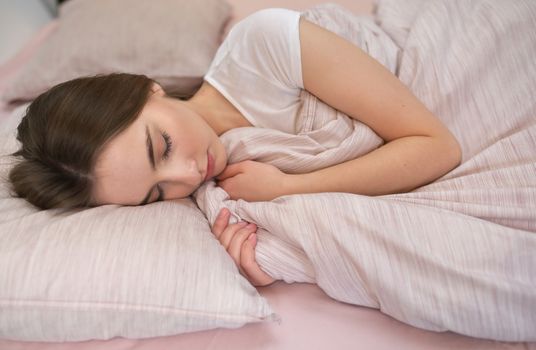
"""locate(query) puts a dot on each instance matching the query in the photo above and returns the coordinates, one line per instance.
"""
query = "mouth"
(210, 167)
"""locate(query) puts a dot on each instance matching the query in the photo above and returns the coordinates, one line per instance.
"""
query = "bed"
(299, 313)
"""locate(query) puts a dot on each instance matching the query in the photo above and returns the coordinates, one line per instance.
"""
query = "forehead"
(122, 168)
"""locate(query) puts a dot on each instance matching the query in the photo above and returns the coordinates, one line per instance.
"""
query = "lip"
(210, 166)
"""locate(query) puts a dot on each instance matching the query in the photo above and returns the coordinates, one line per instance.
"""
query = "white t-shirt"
(258, 68)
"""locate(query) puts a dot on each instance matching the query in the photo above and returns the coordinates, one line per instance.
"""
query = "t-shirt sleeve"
(267, 43)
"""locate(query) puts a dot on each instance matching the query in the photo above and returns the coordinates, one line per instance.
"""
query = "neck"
(213, 108)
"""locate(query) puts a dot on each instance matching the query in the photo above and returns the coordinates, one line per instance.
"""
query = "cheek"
(110, 186)
(192, 137)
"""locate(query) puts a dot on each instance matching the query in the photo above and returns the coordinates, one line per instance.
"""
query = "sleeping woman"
(120, 139)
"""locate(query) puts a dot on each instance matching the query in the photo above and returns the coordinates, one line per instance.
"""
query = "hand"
(240, 240)
(252, 181)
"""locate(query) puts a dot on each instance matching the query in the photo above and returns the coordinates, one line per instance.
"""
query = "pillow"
(171, 41)
(111, 271)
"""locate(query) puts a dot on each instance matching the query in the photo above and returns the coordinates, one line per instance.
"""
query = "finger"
(235, 246)
(255, 274)
(229, 186)
(229, 232)
(247, 257)
(230, 171)
(221, 222)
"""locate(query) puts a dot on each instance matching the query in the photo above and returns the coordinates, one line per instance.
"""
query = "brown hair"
(64, 130)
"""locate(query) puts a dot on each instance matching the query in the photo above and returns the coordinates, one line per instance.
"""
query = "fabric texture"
(171, 41)
(258, 68)
(111, 271)
(457, 254)
(310, 320)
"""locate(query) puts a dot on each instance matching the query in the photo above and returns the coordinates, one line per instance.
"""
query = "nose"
(180, 178)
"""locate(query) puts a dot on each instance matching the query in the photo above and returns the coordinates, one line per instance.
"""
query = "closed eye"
(168, 142)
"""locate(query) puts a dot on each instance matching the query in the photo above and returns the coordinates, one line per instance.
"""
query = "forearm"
(398, 166)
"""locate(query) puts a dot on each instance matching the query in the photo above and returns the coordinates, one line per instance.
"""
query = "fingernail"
(242, 223)
(251, 226)
(253, 238)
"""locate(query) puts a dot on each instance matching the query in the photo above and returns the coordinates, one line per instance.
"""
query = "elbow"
(446, 155)
(457, 150)
(453, 152)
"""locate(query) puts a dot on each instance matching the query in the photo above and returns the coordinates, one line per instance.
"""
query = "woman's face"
(162, 155)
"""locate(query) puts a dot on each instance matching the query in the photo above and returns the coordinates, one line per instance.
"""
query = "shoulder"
(264, 45)
(269, 17)
(266, 23)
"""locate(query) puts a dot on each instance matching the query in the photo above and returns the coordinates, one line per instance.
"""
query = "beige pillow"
(171, 41)
(111, 271)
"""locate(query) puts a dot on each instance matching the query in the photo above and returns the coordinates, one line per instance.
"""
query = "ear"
(157, 89)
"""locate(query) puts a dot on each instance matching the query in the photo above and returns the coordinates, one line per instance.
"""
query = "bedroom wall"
(19, 21)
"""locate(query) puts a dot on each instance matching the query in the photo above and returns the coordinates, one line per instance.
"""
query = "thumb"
(229, 171)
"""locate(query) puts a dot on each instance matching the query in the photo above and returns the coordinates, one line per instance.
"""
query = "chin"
(221, 163)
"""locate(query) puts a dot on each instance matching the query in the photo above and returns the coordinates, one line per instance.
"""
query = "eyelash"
(168, 142)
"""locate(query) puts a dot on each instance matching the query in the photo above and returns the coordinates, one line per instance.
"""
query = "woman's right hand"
(239, 240)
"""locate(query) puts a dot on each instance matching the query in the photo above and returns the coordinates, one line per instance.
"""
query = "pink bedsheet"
(310, 320)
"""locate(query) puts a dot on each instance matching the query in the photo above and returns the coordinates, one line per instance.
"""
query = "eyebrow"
(150, 155)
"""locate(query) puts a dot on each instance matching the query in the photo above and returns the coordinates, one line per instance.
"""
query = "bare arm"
(418, 148)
